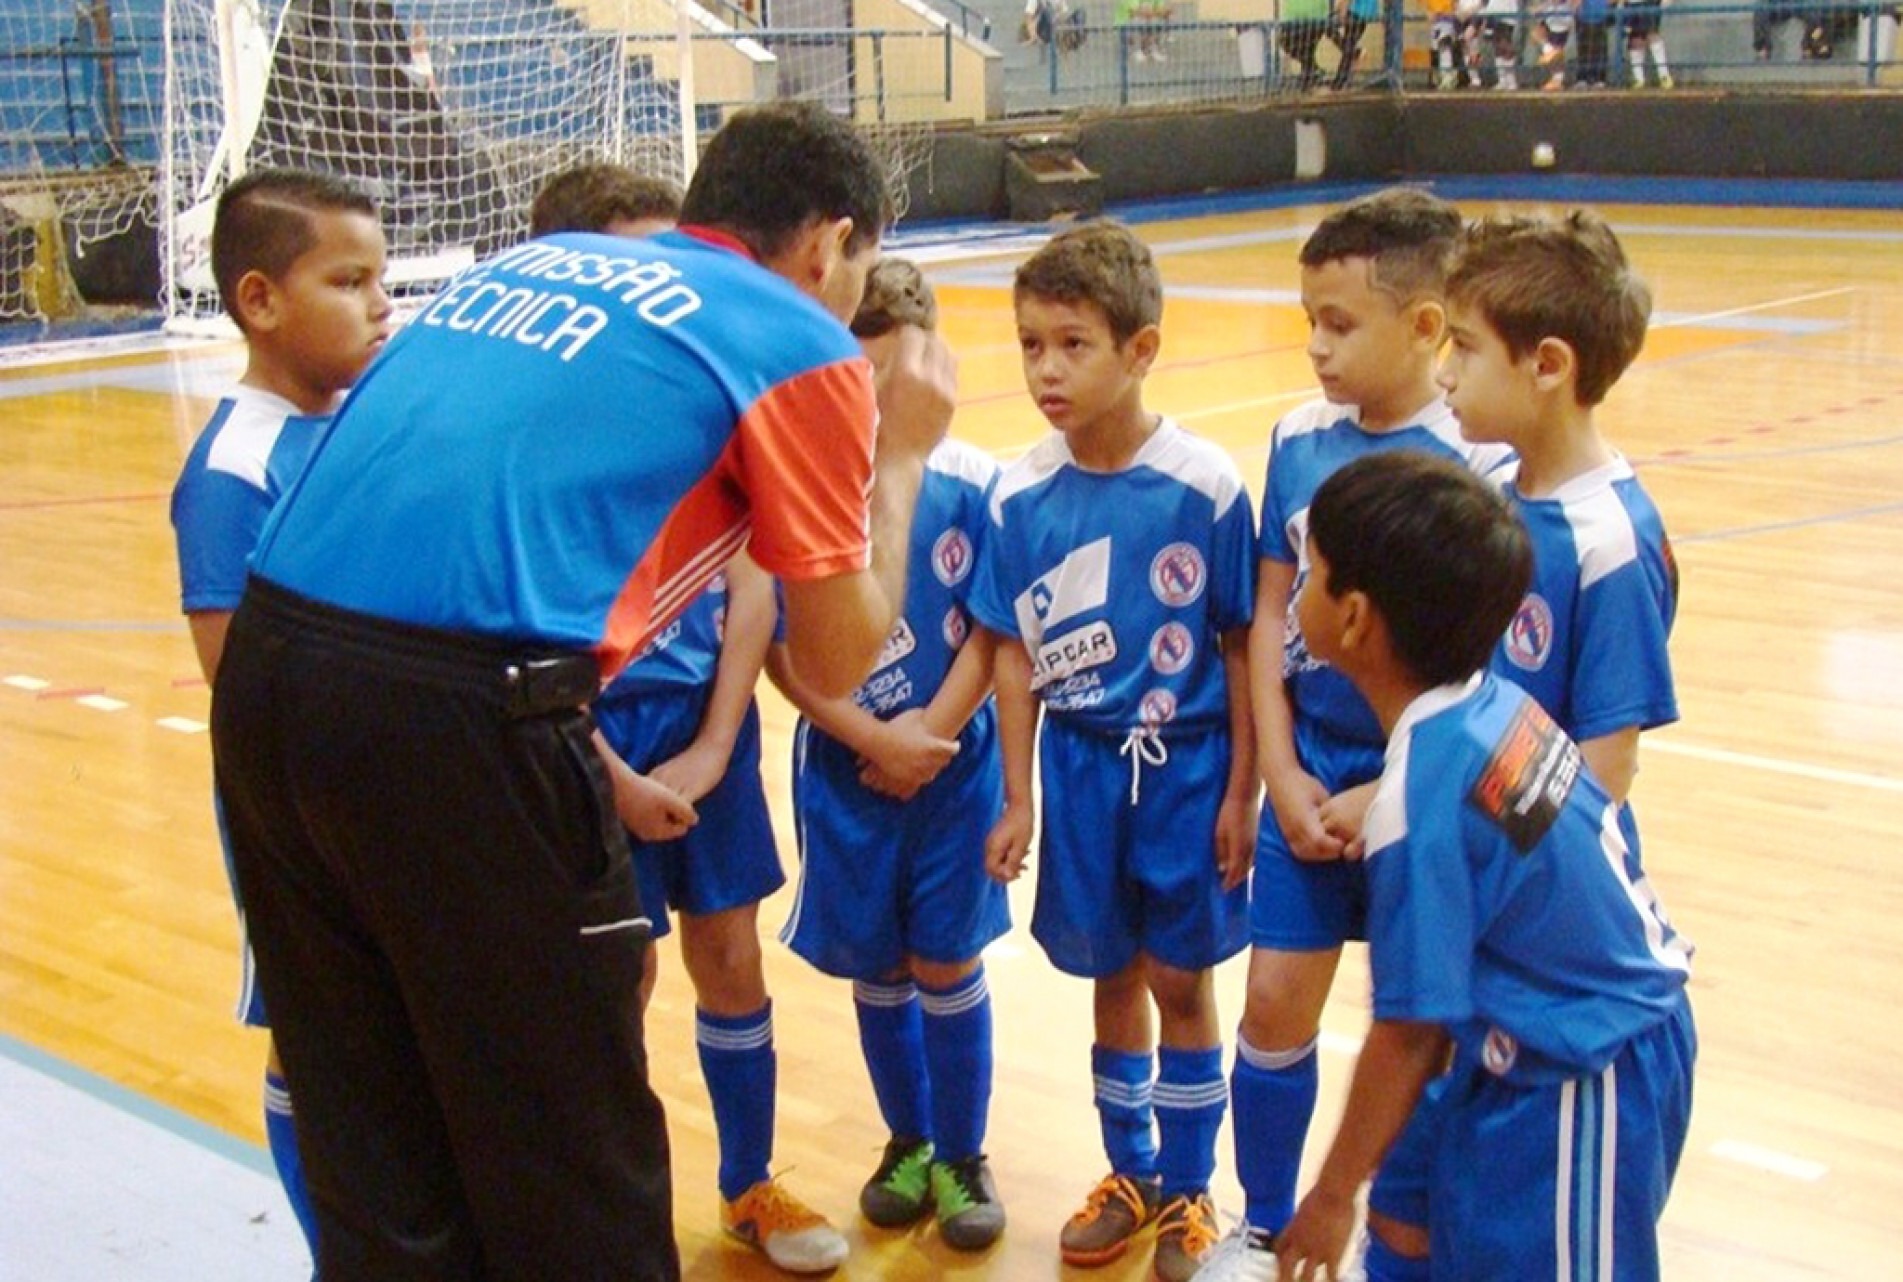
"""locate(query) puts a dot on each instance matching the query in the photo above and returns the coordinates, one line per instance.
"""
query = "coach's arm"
(835, 626)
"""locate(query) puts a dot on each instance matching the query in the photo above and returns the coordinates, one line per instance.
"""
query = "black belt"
(526, 680)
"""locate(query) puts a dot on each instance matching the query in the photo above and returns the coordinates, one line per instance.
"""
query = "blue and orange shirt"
(575, 435)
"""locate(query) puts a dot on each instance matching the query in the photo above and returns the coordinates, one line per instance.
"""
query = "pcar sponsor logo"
(1529, 638)
(956, 628)
(1171, 649)
(1087, 647)
(1177, 574)
(898, 643)
(1528, 778)
(1080, 582)
(951, 557)
(1498, 1052)
(1157, 707)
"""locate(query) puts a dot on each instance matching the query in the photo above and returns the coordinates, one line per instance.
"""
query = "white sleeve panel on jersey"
(1603, 534)
(245, 441)
(964, 462)
(1035, 467)
(1200, 465)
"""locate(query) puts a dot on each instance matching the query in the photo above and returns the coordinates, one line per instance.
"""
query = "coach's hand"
(916, 378)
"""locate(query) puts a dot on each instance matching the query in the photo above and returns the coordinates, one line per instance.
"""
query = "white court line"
(1765, 1159)
(1706, 318)
(31, 685)
(184, 725)
(102, 702)
(1776, 765)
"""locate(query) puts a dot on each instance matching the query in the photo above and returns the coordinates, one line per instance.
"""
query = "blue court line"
(170, 1120)
(1778, 527)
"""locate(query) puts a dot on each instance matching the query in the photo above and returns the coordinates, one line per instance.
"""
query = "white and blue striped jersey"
(252, 448)
(1589, 639)
(1308, 446)
(683, 655)
(1501, 905)
(949, 526)
(1121, 584)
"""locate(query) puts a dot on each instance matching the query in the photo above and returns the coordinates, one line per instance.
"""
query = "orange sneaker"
(786, 1230)
(1112, 1214)
(1185, 1230)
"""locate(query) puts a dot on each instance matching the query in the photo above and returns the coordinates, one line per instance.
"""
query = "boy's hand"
(906, 756)
(1009, 844)
(1297, 800)
(651, 811)
(1345, 814)
(1317, 1238)
(693, 772)
(1235, 838)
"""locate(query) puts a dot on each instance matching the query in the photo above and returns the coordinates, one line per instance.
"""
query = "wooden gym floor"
(1763, 416)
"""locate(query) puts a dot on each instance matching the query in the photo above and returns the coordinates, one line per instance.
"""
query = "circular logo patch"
(951, 557)
(1157, 707)
(955, 628)
(1177, 574)
(1529, 638)
(1171, 649)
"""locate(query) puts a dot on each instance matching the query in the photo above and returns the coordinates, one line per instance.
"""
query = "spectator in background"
(1299, 32)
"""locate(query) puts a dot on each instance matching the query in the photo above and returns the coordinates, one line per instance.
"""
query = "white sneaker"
(1245, 1255)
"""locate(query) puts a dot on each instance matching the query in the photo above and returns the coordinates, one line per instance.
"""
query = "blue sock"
(1122, 1084)
(1383, 1265)
(1190, 1099)
(280, 1131)
(1274, 1095)
(737, 1059)
(891, 1033)
(958, 1049)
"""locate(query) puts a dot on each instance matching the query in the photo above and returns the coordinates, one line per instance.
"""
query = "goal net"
(452, 113)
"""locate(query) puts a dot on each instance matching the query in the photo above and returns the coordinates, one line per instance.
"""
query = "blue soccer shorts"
(882, 880)
(1117, 876)
(729, 858)
(1295, 906)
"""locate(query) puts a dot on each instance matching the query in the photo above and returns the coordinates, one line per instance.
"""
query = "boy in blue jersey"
(1119, 570)
(682, 715)
(1505, 928)
(1545, 315)
(298, 258)
(1372, 274)
(895, 789)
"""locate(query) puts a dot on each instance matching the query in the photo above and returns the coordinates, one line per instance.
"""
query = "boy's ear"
(1429, 322)
(1554, 364)
(257, 301)
(1143, 347)
(816, 251)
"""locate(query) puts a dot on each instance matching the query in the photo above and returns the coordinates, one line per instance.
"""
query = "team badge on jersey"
(1080, 582)
(951, 557)
(955, 628)
(1157, 707)
(1078, 650)
(1171, 648)
(1529, 638)
(1177, 574)
(1498, 1052)
(1528, 778)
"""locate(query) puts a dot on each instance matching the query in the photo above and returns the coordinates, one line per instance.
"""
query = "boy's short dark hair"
(1100, 262)
(590, 196)
(897, 293)
(772, 170)
(1564, 278)
(1440, 553)
(1407, 235)
(263, 224)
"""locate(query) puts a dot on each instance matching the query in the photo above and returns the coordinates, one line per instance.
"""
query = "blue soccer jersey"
(646, 407)
(253, 447)
(1589, 640)
(1500, 901)
(683, 655)
(1308, 446)
(948, 528)
(1120, 584)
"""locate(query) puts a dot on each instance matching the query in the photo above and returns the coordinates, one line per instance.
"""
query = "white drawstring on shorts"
(1145, 747)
